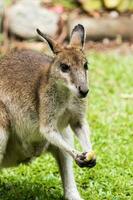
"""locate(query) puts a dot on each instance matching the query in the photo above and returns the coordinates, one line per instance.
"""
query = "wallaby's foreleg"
(4, 123)
(65, 163)
(56, 139)
(49, 130)
(82, 131)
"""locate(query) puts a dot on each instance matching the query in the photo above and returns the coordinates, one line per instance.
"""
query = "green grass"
(111, 120)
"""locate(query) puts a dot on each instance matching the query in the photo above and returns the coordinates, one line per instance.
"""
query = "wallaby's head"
(70, 64)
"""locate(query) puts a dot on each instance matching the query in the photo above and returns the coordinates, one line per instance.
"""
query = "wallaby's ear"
(77, 38)
(53, 45)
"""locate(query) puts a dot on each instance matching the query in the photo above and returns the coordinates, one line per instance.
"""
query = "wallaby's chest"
(71, 113)
(25, 141)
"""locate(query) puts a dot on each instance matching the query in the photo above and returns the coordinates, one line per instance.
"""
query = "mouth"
(83, 94)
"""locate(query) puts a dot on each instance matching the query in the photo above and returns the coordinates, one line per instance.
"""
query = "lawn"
(111, 121)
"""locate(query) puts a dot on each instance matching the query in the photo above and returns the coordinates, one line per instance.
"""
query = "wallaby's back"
(20, 75)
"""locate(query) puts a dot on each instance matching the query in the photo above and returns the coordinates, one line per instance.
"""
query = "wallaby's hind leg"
(4, 134)
(65, 163)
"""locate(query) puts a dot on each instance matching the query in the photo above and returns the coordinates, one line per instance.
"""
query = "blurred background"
(109, 50)
(108, 23)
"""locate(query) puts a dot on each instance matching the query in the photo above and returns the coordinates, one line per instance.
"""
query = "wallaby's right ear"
(53, 45)
(77, 39)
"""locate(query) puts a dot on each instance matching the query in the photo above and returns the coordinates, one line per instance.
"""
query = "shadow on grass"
(38, 180)
(28, 191)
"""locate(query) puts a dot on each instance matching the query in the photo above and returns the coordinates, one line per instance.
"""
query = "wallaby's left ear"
(77, 38)
(55, 47)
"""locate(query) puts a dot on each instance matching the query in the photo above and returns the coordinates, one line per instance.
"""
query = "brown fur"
(21, 73)
(38, 101)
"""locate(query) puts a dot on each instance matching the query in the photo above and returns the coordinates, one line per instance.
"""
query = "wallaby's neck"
(58, 91)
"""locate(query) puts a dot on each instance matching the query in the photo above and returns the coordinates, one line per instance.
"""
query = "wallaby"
(42, 99)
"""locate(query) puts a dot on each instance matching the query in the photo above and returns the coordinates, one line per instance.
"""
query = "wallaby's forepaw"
(86, 159)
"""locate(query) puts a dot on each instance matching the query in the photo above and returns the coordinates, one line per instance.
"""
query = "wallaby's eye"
(64, 67)
(86, 66)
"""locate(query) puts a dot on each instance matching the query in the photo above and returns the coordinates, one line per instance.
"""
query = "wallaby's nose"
(83, 93)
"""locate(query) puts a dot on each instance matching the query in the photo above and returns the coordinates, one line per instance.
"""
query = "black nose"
(83, 93)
